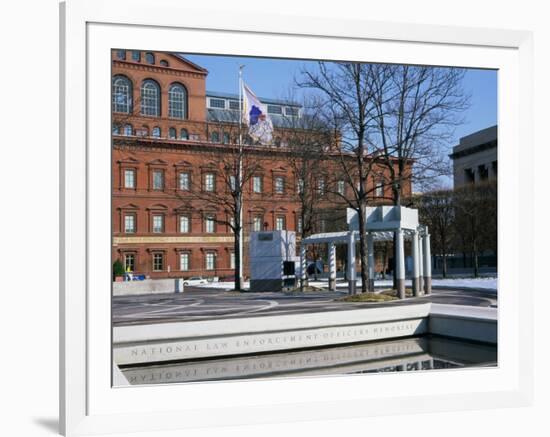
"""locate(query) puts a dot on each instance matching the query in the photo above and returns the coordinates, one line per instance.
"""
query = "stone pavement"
(204, 303)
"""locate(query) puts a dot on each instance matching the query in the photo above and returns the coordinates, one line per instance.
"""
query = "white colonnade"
(384, 223)
(420, 253)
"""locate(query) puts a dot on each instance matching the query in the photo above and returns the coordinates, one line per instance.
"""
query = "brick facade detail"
(160, 226)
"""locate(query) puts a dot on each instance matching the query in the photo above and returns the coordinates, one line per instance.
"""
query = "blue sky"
(273, 78)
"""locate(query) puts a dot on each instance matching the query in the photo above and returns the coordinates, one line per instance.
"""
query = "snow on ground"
(485, 283)
(229, 285)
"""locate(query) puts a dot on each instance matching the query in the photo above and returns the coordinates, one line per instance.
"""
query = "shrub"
(118, 268)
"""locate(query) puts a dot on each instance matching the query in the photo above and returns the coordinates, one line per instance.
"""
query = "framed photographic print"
(289, 221)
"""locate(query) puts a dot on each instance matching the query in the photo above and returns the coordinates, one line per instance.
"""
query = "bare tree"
(417, 109)
(232, 166)
(346, 93)
(437, 211)
(306, 138)
(476, 219)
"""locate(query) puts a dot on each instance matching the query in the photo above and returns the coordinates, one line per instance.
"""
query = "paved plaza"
(200, 303)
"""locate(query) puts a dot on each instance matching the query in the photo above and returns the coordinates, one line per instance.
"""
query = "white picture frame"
(88, 404)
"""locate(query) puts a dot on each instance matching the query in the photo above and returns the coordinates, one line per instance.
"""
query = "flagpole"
(240, 175)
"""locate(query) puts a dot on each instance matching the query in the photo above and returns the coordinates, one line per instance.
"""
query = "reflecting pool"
(402, 355)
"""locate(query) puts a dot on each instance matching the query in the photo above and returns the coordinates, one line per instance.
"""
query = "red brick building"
(165, 128)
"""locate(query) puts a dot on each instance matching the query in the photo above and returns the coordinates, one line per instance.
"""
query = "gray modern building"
(475, 157)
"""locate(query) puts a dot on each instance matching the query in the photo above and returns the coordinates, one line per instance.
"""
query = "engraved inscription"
(242, 344)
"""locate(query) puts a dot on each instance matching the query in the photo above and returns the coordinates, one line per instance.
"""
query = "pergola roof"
(342, 237)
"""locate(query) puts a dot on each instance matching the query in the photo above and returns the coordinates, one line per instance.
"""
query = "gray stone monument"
(268, 252)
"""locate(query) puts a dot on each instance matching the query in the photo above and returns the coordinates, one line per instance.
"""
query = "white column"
(351, 262)
(332, 266)
(420, 261)
(370, 260)
(303, 265)
(400, 264)
(416, 264)
(427, 263)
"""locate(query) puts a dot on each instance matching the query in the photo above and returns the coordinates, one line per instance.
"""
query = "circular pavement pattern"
(204, 303)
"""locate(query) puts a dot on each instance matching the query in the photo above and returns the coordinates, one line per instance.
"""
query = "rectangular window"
(321, 187)
(257, 184)
(234, 104)
(279, 185)
(158, 224)
(129, 262)
(322, 225)
(291, 111)
(209, 224)
(217, 103)
(158, 180)
(257, 223)
(129, 178)
(300, 186)
(232, 260)
(379, 191)
(210, 260)
(209, 184)
(299, 225)
(129, 223)
(158, 262)
(184, 262)
(184, 224)
(274, 109)
(280, 223)
(185, 181)
(341, 187)
(233, 182)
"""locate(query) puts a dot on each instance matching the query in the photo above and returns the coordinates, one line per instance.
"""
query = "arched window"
(215, 137)
(150, 98)
(184, 135)
(128, 129)
(177, 101)
(226, 138)
(156, 132)
(136, 55)
(149, 58)
(116, 129)
(164, 63)
(121, 54)
(122, 94)
(172, 133)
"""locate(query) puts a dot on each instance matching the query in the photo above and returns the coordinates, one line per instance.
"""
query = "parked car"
(195, 280)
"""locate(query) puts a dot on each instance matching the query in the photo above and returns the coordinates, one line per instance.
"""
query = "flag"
(260, 127)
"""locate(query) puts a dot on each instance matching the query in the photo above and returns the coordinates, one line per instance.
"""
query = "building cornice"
(156, 69)
(473, 150)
